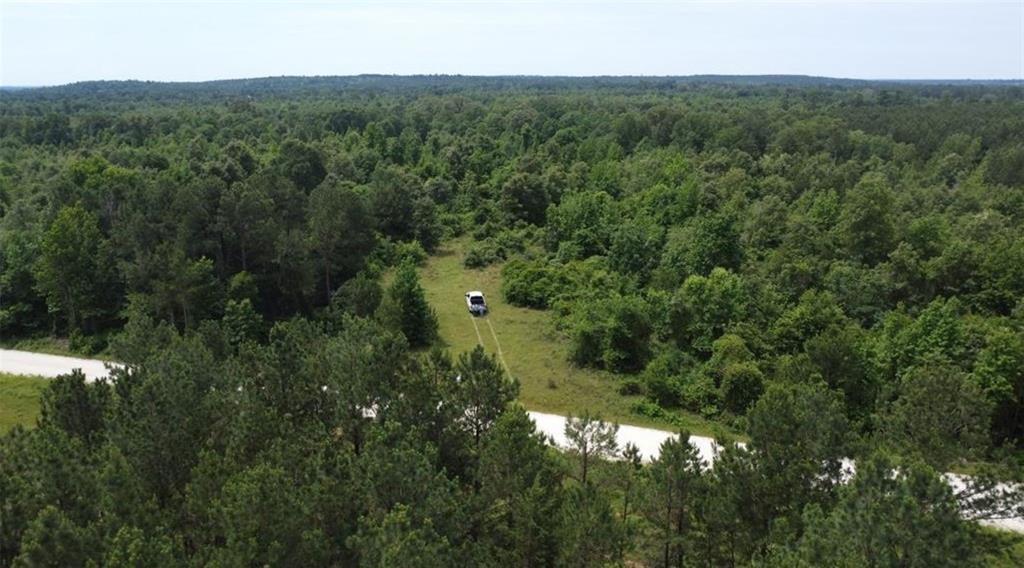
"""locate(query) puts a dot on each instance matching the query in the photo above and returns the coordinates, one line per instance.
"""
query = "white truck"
(475, 302)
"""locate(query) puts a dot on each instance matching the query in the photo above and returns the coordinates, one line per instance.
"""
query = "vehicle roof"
(475, 293)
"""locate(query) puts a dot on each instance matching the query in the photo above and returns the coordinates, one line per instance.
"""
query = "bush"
(391, 253)
(452, 225)
(484, 231)
(482, 254)
(358, 296)
(495, 248)
(653, 410)
(569, 251)
(513, 241)
(79, 342)
(742, 384)
(612, 333)
(411, 251)
(631, 387)
(663, 389)
(532, 284)
(648, 409)
(661, 377)
(698, 393)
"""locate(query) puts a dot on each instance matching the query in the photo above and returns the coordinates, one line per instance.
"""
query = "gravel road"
(42, 365)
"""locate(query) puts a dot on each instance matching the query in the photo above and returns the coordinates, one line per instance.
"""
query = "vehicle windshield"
(476, 300)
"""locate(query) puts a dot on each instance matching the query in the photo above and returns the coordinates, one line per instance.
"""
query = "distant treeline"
(303, 87)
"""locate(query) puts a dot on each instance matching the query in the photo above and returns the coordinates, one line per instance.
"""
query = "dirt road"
(42, 365)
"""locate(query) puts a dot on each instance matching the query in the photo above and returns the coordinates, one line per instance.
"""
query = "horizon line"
(527, 76)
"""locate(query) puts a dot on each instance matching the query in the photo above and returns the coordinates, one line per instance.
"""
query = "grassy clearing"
(1007, 548)
(19, 400)
(533, 350)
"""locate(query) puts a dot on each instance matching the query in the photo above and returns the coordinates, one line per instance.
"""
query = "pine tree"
(241, 321)
(521, 493)
(591, 438)
(482, 393)
(675, 489)
(891, 514)
(404, 308)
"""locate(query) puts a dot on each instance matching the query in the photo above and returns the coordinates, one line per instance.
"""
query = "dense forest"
(833, 268)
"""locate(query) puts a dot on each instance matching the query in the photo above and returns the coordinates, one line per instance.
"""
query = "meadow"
(532, 349)
(20, 400)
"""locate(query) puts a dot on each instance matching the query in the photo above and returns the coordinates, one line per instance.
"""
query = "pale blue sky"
(53, 42)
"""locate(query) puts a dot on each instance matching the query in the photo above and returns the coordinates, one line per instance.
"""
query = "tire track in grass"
(479, 338)
(497, 344)
(501, 356)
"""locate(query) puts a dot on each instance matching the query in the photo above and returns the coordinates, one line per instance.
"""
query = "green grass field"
(532, 349)
(1010, 548)
(19, 400)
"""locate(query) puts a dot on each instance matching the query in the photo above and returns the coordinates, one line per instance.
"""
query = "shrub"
(453, 225)
(742, 384)
(663, 389)
(485, 253)
(485, 230)
(653, 410)
(513, 241)
(79, 342)
(532, 284)
(358, 296)
(661, 377)
(698, 393)
(410, 251)
(480, 255)
(495, 247)
(612, 333)
(631, 387)
(392, 253)
(648, 409)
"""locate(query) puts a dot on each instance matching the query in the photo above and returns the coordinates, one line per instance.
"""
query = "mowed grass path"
(19, 400)
(535, 353)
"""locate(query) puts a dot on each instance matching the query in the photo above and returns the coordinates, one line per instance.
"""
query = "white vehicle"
(475, 302)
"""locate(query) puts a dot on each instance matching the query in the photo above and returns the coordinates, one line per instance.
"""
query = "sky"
(49, 42)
